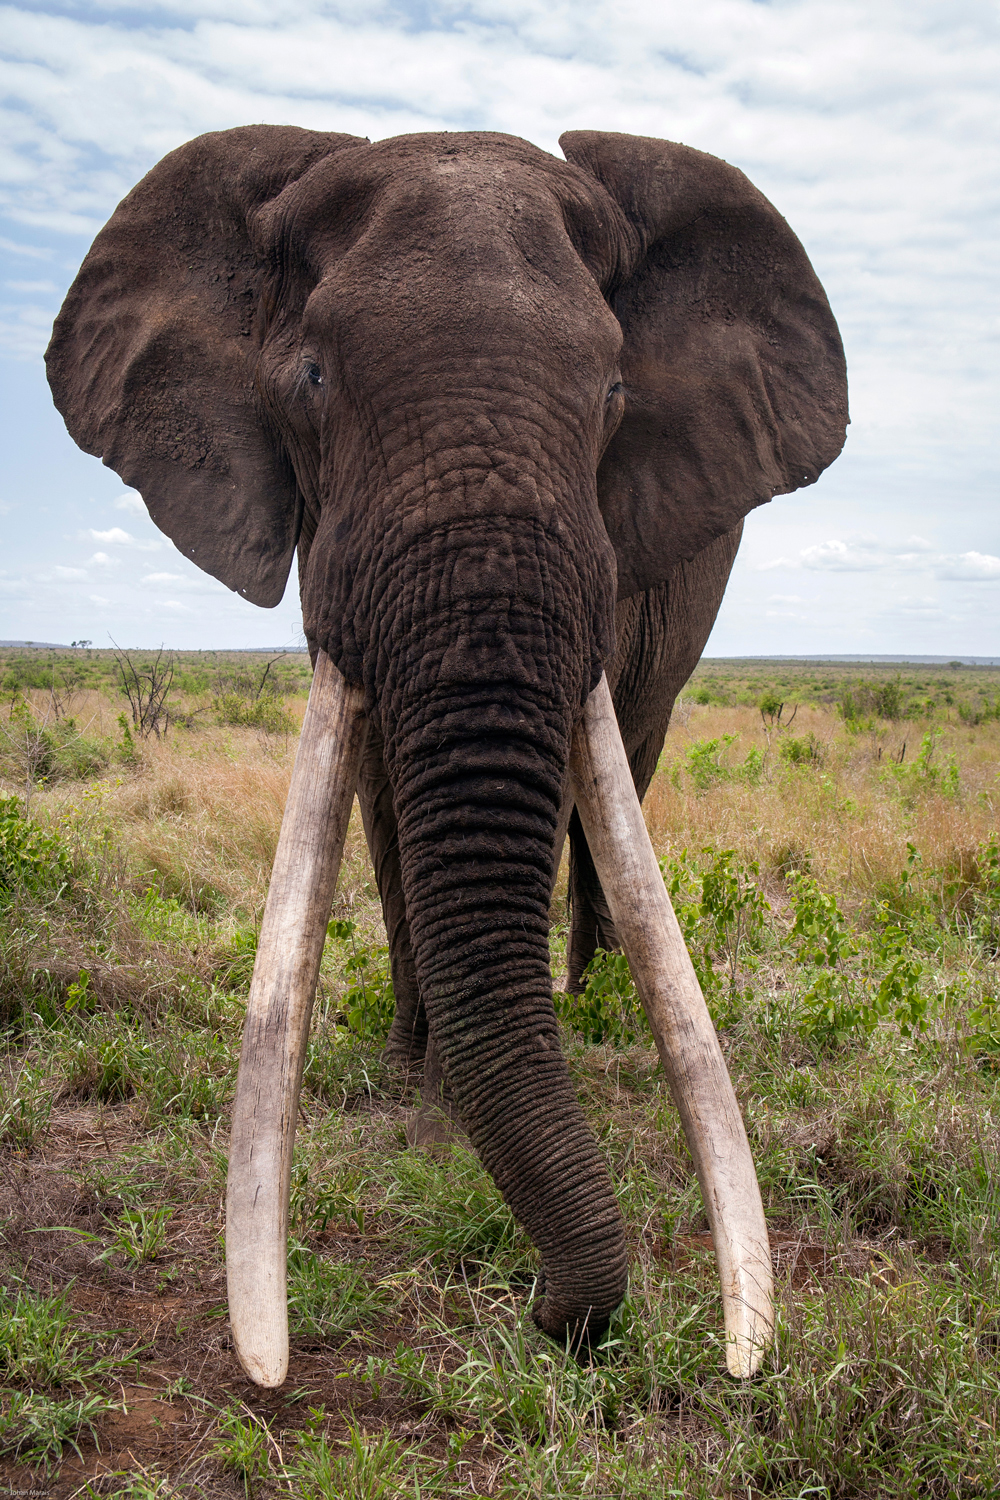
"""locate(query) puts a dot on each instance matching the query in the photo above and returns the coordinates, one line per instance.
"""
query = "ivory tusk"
(279, 1009)
(685, 1037)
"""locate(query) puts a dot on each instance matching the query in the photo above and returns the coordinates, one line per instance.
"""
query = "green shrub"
(30, 860)
(369, 1002)
(864, 701)
(266, 713)
(805, 751)
(609, 1008)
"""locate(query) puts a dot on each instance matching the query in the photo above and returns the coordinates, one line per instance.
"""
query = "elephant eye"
(314, 374)
(614, 389)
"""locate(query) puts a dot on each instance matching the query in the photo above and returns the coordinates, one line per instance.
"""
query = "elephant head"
(485, 393)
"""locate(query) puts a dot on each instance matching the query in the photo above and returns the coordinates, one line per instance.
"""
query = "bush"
(30, 860)
(806, 751)
(872, 700)
(609, 1008)
(266, 713)
(705, 763)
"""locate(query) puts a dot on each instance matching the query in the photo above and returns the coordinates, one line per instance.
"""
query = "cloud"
(34, 252)
(116, 537)
(970, 567)
(867, 554)
(164, 578)
(131, 501)
(70, 572)
(843, 557)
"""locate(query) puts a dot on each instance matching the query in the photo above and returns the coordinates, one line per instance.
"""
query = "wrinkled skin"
(512, 411)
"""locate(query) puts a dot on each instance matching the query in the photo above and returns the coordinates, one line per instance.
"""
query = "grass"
(841, 897)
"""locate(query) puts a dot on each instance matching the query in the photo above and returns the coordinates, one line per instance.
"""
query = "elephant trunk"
(477, 793)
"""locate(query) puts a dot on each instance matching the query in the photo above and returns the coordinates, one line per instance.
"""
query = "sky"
(871, 124)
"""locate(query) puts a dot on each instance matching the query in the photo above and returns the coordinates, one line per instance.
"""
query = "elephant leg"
(407, 1039)
(592, 924)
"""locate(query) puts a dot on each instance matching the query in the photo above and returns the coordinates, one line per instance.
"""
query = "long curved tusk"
(685, 1037)
(277, 1022)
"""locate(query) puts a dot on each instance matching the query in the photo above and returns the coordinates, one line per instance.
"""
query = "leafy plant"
(924, 772)
(704, 761)
(369, 1002)
(30, 860)
(803, 751)
(819, 932)
(242, 1444)
(609, 1008)
(35, 1426)
(252, 701)
(898, 991)
(733, 904)
(41, 1340)
(137, 1233)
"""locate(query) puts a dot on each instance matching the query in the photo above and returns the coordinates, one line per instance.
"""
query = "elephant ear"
(734, 374)
(152, 356)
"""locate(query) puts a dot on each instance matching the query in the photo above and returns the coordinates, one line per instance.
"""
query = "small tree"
(146, 687)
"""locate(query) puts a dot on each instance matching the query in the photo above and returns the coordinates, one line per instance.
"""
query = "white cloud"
(131, 501)
(102, 560)
(971, 567)
(116, 537)
(867, 554)
(847, 557)
(98, 599)
(70, 572)
(164, 578)
(33, 252)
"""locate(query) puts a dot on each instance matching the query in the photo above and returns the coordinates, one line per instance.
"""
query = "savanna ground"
(837, 874)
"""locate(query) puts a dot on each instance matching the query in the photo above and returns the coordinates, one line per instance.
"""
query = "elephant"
(510, 411)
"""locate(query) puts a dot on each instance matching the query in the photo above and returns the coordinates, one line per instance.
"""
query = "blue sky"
(872, 126)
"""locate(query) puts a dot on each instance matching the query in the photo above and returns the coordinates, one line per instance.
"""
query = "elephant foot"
(401, 1058)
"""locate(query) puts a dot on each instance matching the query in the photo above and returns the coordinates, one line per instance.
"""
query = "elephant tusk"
(685, 1037)
(277, 1021)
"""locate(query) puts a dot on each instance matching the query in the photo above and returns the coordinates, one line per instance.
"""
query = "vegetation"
(832, 852)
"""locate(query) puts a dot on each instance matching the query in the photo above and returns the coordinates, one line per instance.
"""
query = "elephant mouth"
(284, 983)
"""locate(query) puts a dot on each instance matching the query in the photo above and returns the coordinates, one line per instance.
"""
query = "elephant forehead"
(482, 207)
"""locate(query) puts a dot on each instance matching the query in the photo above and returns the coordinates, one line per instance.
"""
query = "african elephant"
(511, 411)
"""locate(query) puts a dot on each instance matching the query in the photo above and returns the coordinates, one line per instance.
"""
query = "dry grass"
(848, 812)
